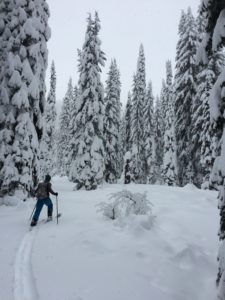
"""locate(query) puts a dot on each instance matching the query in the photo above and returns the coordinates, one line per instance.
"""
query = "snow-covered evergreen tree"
(22, 90)
(197, 107)
(164, 105)
(112, 121)
(204, 135)
(185, 89)
(163, 108)
(6, 8)
(212, 42)
(138, 98)
(64, 132)
(121, 145)
(127, 126)
(88, 167)
(148, 135)
(169, 169)
(48, 143)
(72, 132)
(6, 125)
(158, 137)
(169, 79)
(126, 141)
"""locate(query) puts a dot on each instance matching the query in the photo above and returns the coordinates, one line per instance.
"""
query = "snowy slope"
(87, 257)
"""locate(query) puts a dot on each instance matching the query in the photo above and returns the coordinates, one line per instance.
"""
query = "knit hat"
(47, 178)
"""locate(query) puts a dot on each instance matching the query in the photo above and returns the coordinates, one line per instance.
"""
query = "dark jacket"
(44, 189)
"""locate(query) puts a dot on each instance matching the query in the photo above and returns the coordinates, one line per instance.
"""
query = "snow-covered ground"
(87, 257)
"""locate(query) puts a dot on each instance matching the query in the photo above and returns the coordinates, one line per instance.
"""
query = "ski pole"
(57, 210)
(33, 211)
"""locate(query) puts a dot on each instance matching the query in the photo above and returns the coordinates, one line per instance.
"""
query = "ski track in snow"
(24, 284)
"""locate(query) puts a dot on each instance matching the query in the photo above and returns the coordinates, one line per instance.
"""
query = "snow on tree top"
(219, 31)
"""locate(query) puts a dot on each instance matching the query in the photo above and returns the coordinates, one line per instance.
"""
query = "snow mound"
(192, 256)
(13, 200)
(190, 187)
(136, 224)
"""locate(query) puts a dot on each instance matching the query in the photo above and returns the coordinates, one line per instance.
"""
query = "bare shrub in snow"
(126, 203)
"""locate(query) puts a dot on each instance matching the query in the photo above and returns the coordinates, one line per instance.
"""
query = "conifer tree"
(148, 135)
(112, 124)
(212, 42)
(126, 168)
(48, 143)
(121, 145)
(22, 90)
(64, 132)
(6, 122)
(164, 108)
(72, 133)
(197, 107)
(185, 89)
(159, 139)
(201, 23)
(164, 104)
(5, 33)
(88, 167)
(169, 79)
(169, 169)
(126, 140)
(159, 131)
(138, 98)
(127, 125)
(204, 136)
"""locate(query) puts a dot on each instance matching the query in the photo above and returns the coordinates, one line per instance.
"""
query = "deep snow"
(87, 257)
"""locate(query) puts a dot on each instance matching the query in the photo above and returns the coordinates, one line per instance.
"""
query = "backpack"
(42, 190)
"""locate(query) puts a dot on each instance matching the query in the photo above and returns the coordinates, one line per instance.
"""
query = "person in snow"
(42, 193)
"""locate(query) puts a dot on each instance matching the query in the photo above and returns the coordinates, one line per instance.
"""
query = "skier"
(42, 194)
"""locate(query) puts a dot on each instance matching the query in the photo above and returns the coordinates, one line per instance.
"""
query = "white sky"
(124, 25)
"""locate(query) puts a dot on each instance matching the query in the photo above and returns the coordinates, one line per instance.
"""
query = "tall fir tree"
(6, 122)
(127, 124)
(5, 33)
(212, 42)
(169, 169)
(64, 132)
(22, 90)
(159, 131)
(48, 143)
(197, 106)
(148, 135)
(138, 98)
(185, 89)
(158, 134)
(164, 104)
(164, 108)
(72, 133)
(121, 144)
(88, 167)
(126, 140)
(205, 139)
(112, 124)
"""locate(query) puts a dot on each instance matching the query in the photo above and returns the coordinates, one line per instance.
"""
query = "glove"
(56, 194)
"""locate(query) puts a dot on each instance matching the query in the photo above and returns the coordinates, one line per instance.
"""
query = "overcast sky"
(124, 25)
